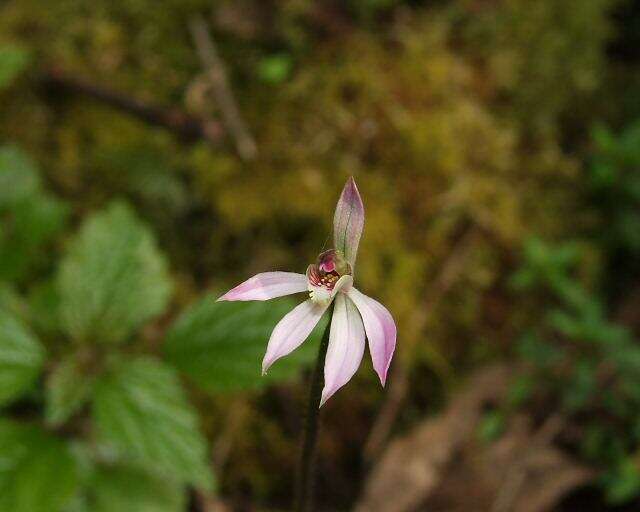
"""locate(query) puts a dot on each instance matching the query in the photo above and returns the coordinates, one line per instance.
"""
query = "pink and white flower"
(329, 279)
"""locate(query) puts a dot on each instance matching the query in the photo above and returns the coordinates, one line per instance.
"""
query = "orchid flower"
(329, 279)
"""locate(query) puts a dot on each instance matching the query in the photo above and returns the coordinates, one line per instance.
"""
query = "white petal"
(320, 295)
(343, 284)
(268, 285)
(346, 346)
(291, 331)
(381, 331)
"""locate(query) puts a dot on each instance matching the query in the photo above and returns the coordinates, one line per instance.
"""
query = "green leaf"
(622, 483)
(521, 390)
(113, 278)
(68, 389)
(581, 386)
(13, 60)
(537, 351)
(124, 489)
(29, 217)
(141, 410)
(44, 306)
(220, 345)
(37, 472)
(18, 176)
(31, 223)
(12, 302)
(491, 426)
(21, 358)
(275, 69)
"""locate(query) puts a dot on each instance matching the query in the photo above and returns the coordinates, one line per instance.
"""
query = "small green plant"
(30, 217)
(92, 416)
(614, 194)
(582, 364)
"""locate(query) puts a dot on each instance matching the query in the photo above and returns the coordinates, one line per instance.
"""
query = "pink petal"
(380, 328)
(346, 346)
(291, 331)
(268, 285)
(348, 221)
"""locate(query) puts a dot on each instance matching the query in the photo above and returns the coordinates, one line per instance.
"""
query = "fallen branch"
(412, 467)
(186, 127)
(441, 464)
(517, 476)
(215, 72)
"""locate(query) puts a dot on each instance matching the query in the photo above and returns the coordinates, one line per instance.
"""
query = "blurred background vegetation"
(155, 153)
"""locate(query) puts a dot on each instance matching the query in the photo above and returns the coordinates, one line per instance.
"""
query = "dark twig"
(215, 72)
(186, 127)
(304, 488)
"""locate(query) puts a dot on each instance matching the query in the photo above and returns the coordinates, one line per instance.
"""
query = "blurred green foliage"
(614, 192)
(578, 361)
(13, 60)
(213, 343)
(127, 488)
(31, 216)
(587, 366)
(108, 426)
(21, 358)
(112, 280)
(578, 358)
(475, 130)
(140, 409)
(38, 472)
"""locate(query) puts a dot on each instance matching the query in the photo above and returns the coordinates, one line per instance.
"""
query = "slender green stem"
(304, 491)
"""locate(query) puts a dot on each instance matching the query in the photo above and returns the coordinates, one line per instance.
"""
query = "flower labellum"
(329, 279)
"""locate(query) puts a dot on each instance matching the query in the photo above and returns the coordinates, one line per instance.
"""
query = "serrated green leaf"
(220, 345)
(13, 60)
(21, 358)
(124, 489)
(68, 389)
(140, 409)
(113, 278)
(37, 472)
